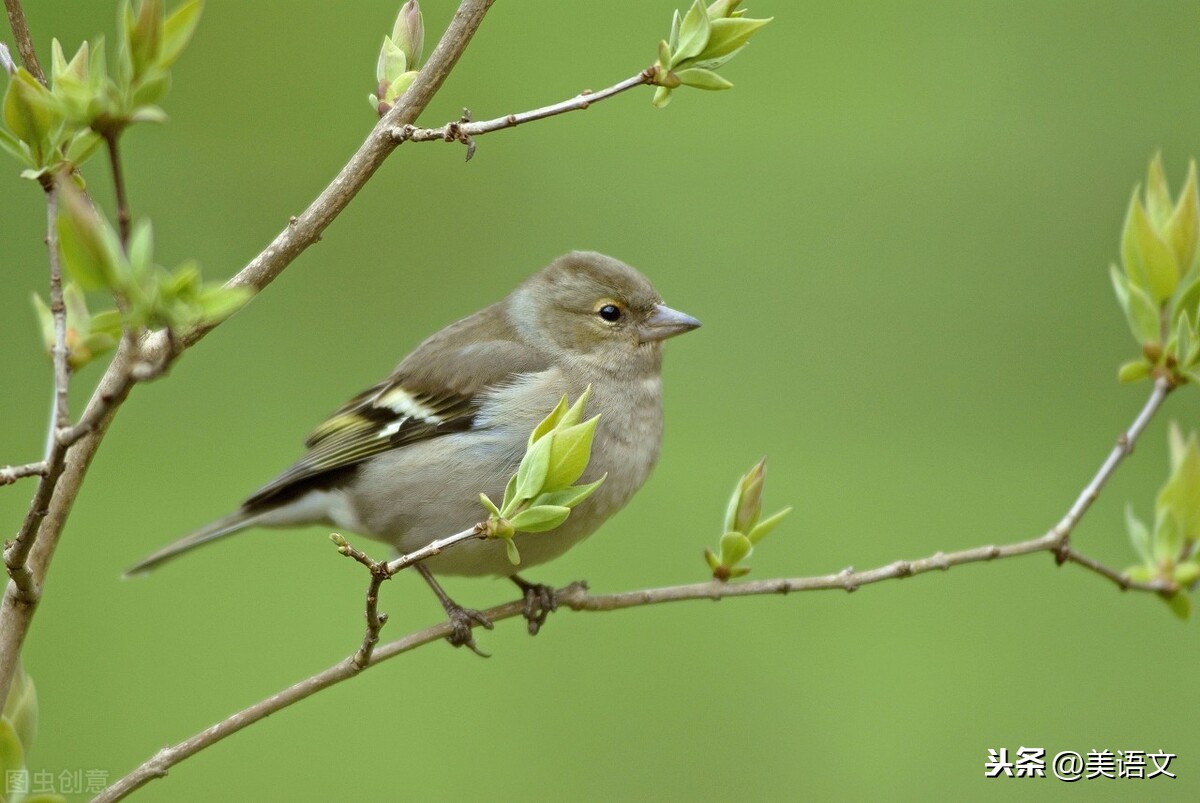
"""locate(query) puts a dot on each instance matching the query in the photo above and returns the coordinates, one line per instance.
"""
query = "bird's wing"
(436, 390)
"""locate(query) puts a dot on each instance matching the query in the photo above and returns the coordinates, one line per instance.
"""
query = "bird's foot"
(463, 620)
(540, 602)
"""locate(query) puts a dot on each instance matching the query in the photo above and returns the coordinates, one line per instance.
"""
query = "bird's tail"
(234, 522)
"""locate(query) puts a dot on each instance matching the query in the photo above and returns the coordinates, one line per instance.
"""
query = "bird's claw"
(540, 602)
(463, 620)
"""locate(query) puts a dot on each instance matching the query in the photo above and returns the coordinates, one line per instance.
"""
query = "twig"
(158, 349)
(381, 570)
(10, 474)
(464, 130)
(111, 138)
(577, 598)
(17, 555)
(20, 29)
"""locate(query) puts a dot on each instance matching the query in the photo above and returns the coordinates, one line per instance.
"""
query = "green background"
(896, 230)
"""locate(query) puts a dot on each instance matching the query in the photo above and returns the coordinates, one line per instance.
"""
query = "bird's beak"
(665, 322)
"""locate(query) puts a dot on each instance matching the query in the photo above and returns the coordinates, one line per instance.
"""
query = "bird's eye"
(610, 313)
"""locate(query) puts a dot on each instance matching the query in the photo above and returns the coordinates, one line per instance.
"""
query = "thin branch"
(577, 598)
(465, 130)
(17, 555)
(114, 159)
(381, 570)
(20, 29)
(10, 474)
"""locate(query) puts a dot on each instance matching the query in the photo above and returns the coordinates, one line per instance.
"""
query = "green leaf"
(150, 91)
(1180, 496)
(145, 37)
(1139, 537)
(1150, 264)
(141, 247)
(764, 527)
(569, 497)
(711, 559)
(673, 41)
(693, 34)
(21, 709)
(45, 322)
(550, 421)
(1176, 445)
(531, 474)
(89, 246)
(703, 79)
(178, 30)
(730, 35)
(16, 148)
(1158, 194)
(12, 755)
(1187, 573)
(1138, 308)
(148, 114)
(1133, 371)
(570, 451)
(82, 146)
(574, 415)
(662, 96)
(1182, 228)
(1180, 605)
(28, 112)
(539, 519)
(735, 548)
(1188, 302)
(514, 556)
(664, 54)
(1168, 537)
(218, 302)
(1142, 574)
(510, 491)
(490, 505)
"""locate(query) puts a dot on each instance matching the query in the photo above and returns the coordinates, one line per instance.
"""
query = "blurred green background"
(895, 229)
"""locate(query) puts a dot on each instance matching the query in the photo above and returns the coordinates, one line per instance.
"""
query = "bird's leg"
(463, 619)
(540, 602)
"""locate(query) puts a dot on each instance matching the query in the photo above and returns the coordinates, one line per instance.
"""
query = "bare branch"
(124, 217)
(464, 130)
(20, 29)
(10, 474)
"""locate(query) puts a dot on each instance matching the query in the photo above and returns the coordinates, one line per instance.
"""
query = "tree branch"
(20, 29)
(464, 130)
(576, 597)
(73, 448)
(10, 474)
(124, 216)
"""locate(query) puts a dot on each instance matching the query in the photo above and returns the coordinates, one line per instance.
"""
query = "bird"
(404, 462)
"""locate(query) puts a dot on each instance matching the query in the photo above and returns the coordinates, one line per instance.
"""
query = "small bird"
(404, 461)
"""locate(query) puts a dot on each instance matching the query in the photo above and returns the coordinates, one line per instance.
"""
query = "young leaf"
(1133, 371)
(550, 421)
(703, 79)
(539, 519)
(1139, 537)
(1153, 261)
(693, 34)
(569, 497)
(178, 30)
(570, 450)
(531, 474)
(764, 527)
(575, 414)
(1180, 605)
(514, 557)
(735, 548)
(1183, 227)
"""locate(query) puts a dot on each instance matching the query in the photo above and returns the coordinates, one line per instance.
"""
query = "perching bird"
(404, 462)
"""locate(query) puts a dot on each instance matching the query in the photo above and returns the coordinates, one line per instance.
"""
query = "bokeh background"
(896, 230)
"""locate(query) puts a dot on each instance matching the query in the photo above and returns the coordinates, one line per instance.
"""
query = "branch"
(124, 217)
(34, 547)
(10, 474)
(16, 555)
(576, 597)
(20, 29)
(464, 130)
